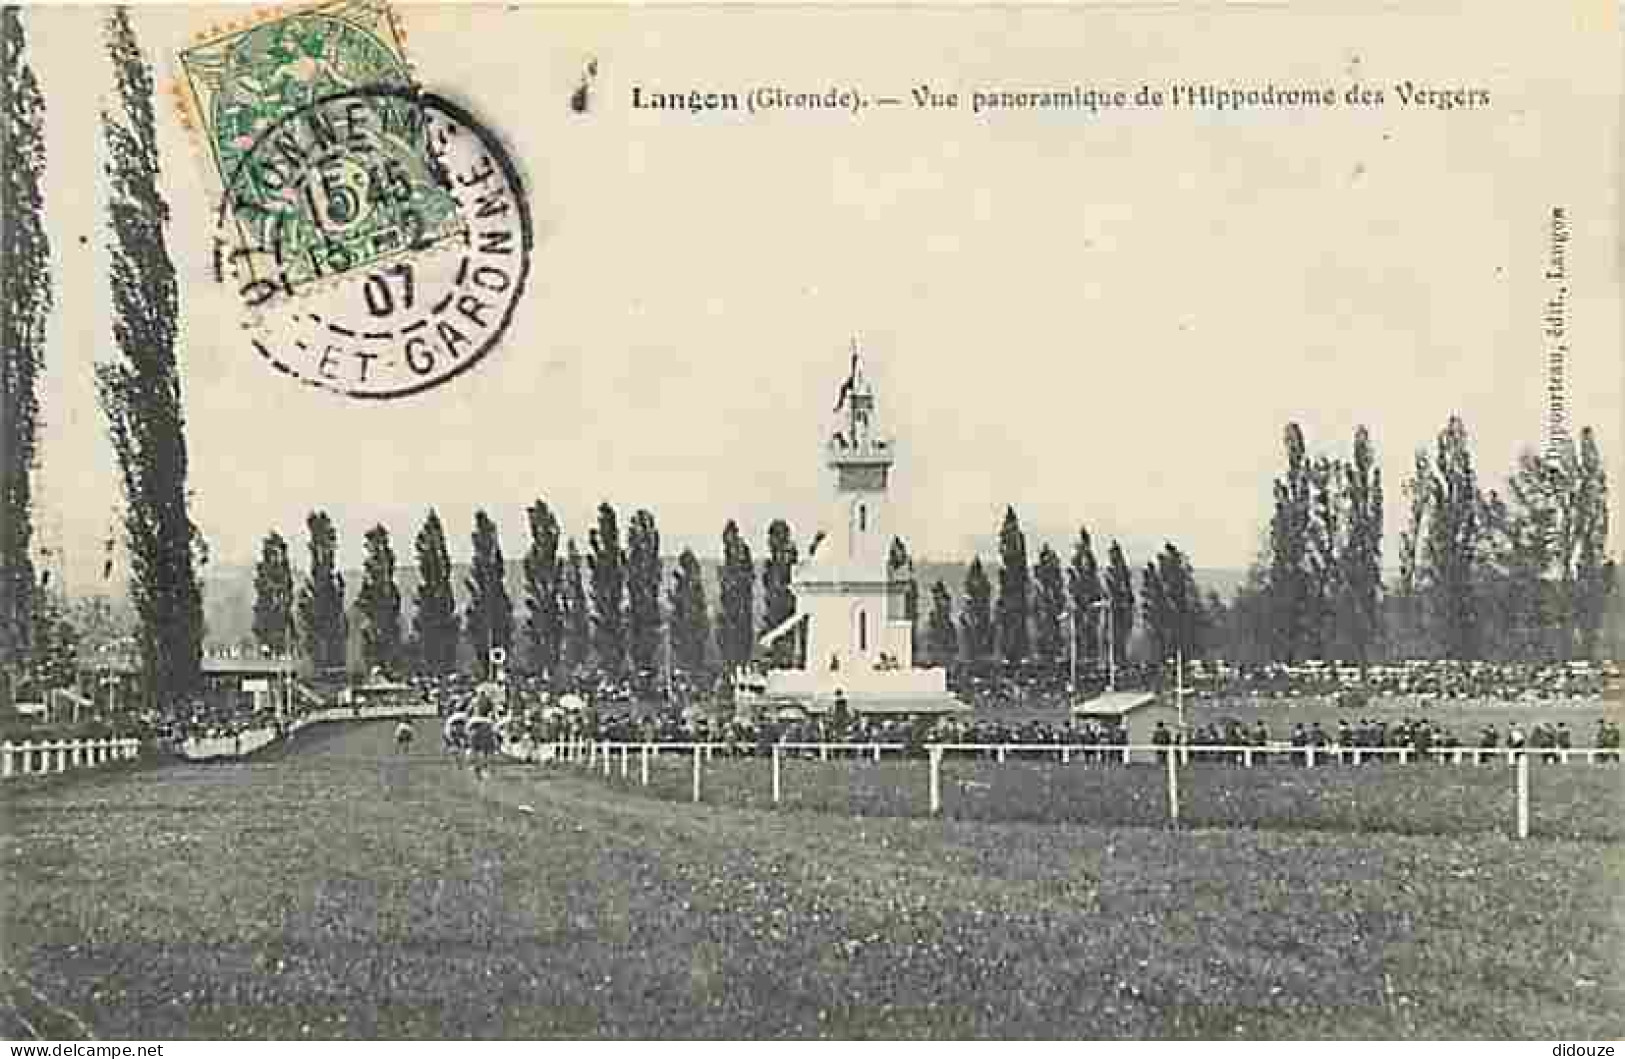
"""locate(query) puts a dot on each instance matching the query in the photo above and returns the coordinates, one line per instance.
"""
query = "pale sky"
(1102, 319)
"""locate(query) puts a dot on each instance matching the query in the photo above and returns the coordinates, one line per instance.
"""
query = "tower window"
(863, 518)
(863, 630)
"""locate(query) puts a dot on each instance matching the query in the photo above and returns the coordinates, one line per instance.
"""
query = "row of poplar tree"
(609, 609)
(1520, 576)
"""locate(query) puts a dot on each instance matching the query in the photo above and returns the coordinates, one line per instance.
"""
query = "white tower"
(850, 604)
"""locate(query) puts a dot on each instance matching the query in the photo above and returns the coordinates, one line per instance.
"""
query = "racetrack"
(339, 890)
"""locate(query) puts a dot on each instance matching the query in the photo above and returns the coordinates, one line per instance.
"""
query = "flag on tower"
(851, 379)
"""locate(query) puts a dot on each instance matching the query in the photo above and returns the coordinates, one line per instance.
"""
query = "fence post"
(607, 752)
(1247, 756)
(626, 752)
(877, 753)
(644, 778)
(1001, 753)
(1523, 795)
(1066, 755)
(696, 772)
(936, 780)
(777, 788)
(1125, 753)
(1309, 754)
(1184, 753)
(62, 757)
(823, 751)
(1173, 791)
(1404, 755)
(6, 763)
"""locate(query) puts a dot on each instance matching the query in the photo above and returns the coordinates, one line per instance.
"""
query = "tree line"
(1517, 575)
(1047, 616)
(612, 609)
(607, 609)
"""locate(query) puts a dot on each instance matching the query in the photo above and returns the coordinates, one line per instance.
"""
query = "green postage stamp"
(324, 160)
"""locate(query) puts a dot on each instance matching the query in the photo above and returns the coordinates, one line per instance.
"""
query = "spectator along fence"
(34, 759)
(1171, 762)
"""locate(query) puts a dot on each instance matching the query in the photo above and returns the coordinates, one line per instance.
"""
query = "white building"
(850, 605)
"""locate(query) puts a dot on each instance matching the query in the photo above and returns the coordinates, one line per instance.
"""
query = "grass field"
(338, 891)
(1569, 801)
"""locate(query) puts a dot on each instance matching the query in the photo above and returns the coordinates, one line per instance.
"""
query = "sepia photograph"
(748, 521)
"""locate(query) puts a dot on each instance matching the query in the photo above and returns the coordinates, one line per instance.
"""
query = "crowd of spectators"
(1421, 735)
(743, 737)
(1413, 683)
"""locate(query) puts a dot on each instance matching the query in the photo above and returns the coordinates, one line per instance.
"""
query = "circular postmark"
(379, 239)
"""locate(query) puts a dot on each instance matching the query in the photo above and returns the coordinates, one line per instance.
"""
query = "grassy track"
(341, 892)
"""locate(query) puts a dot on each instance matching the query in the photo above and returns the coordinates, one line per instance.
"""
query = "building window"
(863, 630)
(863, 518)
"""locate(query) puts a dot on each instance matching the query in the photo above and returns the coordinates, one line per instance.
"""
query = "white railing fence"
(33, 759)
(601, 756)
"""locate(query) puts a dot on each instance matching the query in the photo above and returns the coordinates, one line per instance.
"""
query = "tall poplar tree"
(1155, 614)
(735, 628)
(1014, 597)
(1182, 619)
(606, 560)
(544, 627)
(1361, 558)
(577, 648)
(1084, 591)
(690, 624)
(25, 306)
(778, 602)
(379, 603)
(1120, 590)
(644, 572)
(321, 603)
(1323, 558)
(1049, 607)
(488, 619)
(273, 596)
(1454, 548)
(977, 637)
(942, 636)
(435, 621)
(140, 392)
(1291, 594)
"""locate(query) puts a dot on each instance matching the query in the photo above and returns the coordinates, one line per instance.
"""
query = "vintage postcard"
(1092, 521)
